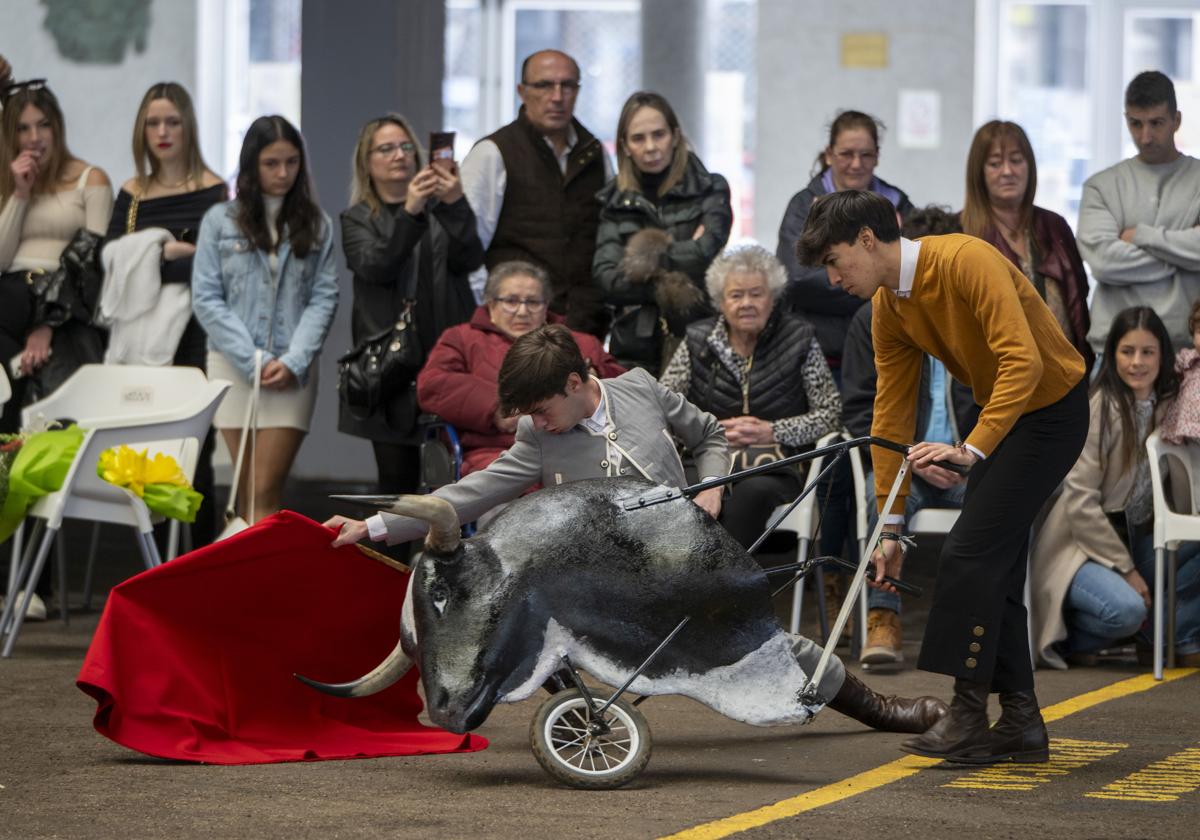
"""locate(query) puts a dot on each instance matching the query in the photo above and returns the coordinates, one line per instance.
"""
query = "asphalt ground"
(1126, 763)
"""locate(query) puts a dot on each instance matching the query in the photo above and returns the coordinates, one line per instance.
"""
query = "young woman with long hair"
(265, 279)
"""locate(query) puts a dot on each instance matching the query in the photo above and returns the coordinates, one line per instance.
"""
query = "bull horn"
(385, 674)
(444, 533)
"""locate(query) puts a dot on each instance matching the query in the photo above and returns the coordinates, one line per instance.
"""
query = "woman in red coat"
(459, 380)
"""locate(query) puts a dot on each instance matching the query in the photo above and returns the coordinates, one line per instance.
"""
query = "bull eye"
(439, 595)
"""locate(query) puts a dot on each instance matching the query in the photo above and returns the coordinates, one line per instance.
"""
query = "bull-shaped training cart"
(588, 742)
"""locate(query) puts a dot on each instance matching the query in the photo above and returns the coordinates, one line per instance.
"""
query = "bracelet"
(906, 542)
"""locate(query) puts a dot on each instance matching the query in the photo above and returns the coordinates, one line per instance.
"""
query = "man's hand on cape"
(350, 531)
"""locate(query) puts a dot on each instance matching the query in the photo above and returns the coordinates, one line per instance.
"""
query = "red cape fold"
(193, 660)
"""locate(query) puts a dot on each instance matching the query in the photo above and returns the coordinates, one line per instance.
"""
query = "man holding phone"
(533, 185)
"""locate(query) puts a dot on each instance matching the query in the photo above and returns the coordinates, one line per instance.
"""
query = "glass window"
(730, 93)
(1042, 83)
(1167, 41)
(462, 87)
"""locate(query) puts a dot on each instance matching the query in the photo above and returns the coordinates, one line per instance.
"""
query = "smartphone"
(441, 150)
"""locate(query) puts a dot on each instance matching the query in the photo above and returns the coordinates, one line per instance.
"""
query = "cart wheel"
(578, 753)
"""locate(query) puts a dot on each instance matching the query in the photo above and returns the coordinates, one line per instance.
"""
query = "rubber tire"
(624, 773)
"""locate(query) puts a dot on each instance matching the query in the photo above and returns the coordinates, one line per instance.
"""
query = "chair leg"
(1170, 620)
(89, 575)
(1159, 557)
(798, 589)
(173, 540)
(1028, 597)
(18, 618)
(15, 563)
(859, 640)
(21, 564)
(60, 552)
(149, 550)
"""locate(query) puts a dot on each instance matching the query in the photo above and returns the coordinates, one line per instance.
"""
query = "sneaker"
(884, 649)
(36, 611)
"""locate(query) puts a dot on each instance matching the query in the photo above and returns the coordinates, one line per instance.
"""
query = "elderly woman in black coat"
(409, 237)
(663, 220)
(762, 373)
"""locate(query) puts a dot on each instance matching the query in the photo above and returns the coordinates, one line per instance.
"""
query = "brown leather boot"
(1020, 734)
(888, 714)
(883, 650)
(962, 736)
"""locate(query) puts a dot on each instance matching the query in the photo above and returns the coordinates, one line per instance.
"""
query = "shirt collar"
(599, 419)
(909, 250)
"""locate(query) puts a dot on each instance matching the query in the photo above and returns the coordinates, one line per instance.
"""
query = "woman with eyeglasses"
(847, 162)
(47, 196)
(663, 219)
(460, 379)
(164, 201)
(264, 278)
(409, 238)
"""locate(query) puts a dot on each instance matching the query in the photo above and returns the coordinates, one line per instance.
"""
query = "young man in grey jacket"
(577, 426)
(1138, 219)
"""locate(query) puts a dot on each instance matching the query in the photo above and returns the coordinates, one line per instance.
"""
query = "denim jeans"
(1187, 589)
(921, 494)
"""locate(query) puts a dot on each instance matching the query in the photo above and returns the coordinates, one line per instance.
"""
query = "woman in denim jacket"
(264, 278)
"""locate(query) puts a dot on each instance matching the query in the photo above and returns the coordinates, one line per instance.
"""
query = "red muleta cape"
(193, 660)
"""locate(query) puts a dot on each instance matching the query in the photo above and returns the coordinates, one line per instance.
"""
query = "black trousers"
(751, 501)
(977, 625)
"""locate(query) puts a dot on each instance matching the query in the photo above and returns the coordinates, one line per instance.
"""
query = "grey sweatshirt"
(1161, 268)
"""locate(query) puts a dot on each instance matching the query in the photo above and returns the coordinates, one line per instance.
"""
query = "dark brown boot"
(961, 736)
(1020, 734)
(888, 714)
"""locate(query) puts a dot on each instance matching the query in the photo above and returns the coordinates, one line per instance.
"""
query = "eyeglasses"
(512, 304)
(14, 88)
(389, 149)
(568, 88)
(849, 156)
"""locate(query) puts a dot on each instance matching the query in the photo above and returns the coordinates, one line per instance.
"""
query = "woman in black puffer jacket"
(664, 219)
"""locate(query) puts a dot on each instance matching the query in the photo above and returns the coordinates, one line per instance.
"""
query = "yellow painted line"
(1066, 754)
(1162, 781)
(901, 768)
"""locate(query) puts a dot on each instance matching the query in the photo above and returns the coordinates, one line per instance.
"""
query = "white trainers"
(36, 611)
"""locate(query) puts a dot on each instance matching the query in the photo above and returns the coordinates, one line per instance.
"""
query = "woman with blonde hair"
(410, 239)
(999, 208)
(664, 218)
(171, 190)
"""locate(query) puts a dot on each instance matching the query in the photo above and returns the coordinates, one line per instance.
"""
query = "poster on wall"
(97, 33)
(919, 119)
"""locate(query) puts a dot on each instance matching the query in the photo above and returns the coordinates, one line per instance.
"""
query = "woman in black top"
(408, 235)
(172, 189)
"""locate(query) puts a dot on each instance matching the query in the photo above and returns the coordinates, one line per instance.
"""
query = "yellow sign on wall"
(865, 49)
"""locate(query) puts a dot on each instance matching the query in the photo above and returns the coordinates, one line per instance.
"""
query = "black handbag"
(380, 365)
(636, 338)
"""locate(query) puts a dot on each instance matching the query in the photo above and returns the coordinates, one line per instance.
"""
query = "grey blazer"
(642, 416)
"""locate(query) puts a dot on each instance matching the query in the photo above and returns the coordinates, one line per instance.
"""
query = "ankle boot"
(961, 736)
(1020, 734)
(888, 714)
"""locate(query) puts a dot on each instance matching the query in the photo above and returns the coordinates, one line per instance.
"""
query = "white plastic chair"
(160, 409)
(5, 387)
(1170, 528)
(802, 521)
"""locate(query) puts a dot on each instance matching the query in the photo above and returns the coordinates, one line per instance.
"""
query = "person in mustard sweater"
(959, 300)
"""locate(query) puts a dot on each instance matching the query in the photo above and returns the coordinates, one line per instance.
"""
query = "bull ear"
(444, 535)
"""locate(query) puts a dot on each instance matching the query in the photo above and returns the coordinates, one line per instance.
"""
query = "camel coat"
(1077, 529)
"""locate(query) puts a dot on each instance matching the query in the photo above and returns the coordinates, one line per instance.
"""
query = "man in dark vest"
(533, 185)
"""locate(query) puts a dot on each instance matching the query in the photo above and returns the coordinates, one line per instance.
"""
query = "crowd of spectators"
(634, 261)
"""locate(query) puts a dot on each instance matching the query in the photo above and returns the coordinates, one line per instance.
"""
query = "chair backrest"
(5, 385)
(87, 496)
(934, 520)
(1184, 474)
(802, 521)
(98, 396)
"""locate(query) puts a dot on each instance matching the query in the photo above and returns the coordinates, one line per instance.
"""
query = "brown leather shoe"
(962, 736)
(888, 714)
(884, 648)
(1020, 734)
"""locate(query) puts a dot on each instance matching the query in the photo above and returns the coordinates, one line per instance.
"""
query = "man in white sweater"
(1138, 222)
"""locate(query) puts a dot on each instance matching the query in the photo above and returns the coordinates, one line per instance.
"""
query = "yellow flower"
(126, 467)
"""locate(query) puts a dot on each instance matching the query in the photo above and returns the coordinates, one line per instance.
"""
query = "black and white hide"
(568, 571)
